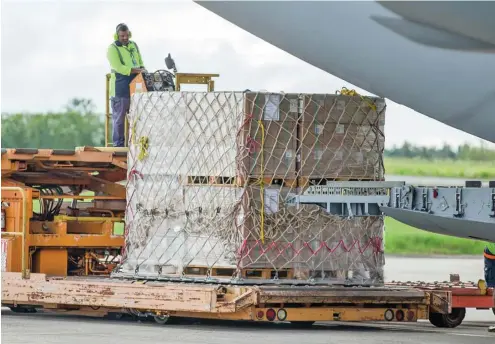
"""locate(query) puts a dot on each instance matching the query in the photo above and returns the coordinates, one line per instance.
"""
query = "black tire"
(455, 318)
(302, 324)
(20, 309)
(451, 320)
(436, 319)
(162, 320)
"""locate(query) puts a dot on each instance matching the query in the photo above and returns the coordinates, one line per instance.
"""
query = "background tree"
(78, 125)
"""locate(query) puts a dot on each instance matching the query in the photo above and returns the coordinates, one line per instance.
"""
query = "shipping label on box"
(293, 105)
(271, 111)
(271, 200)
(270, 106)
(318, 129)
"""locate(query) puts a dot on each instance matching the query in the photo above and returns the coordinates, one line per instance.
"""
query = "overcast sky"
(55, 50)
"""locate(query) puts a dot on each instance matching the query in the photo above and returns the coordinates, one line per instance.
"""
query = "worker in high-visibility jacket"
(126, 62)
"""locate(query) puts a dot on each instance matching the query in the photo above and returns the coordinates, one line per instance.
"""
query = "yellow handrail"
(24, 270)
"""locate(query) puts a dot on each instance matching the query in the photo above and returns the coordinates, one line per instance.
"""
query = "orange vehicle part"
(464, 294)
(63, 210)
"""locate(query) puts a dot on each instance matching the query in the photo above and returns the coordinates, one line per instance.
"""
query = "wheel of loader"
(436, 319)
(451, 320)
(302, 324)
(161, 319)
(20, 309)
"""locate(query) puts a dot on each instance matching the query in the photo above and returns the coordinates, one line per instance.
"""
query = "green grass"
(439, 168)
(405, 240)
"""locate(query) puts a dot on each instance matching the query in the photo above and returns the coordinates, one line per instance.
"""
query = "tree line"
(80, 125)
(463, 152)
(77, 125)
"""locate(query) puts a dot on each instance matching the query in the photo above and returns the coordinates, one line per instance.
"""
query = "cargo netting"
(5, 245)
(212, 177)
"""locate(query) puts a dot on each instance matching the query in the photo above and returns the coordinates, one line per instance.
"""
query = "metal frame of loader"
(62, 237)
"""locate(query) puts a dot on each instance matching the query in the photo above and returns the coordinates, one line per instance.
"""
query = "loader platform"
(299, 304)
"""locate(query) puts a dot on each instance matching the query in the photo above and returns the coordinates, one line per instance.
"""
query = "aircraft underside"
(345, 40)
(417, 57)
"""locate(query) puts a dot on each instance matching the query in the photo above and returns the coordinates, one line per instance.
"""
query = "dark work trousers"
(120, 108)
(489, 268)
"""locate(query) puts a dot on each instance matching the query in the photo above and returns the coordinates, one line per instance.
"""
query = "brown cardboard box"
(305, 238)
(271, 134)
(333, 136)
(278, 228)
(340, 162)
(270, 163)
(268, 133)
(341, 244)
(334, 150)
(324, 108)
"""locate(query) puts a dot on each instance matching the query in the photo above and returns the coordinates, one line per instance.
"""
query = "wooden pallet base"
(267, 181)
(273, 181)
(265, 273)
(210, 180)
(255, 273)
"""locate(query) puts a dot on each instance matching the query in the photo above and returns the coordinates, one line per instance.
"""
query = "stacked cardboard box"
(254, 138)
(342, 137)
(268, 136)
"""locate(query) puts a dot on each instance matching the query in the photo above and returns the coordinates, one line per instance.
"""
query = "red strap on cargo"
(135, 172)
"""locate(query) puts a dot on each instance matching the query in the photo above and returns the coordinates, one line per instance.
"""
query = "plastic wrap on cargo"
(210, 176)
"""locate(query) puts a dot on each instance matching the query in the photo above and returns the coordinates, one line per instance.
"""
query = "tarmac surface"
(50, 328)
